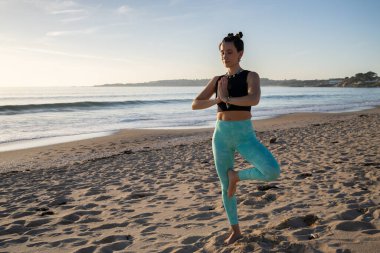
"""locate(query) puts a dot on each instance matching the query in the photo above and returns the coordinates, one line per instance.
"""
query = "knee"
(224, 190)
(273, 174)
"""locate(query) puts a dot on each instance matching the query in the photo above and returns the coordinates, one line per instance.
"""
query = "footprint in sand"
(21, 240)
(103, 197)
(38, 231)
(70, 241)
(371, 231)
(266, 187)
(111, 243)
(89, 249)
(269, 197)
(90, 220)
(159, 197)
(298, 222)
(86, 206)
(117, 246)
(353, 226)
(18, 215)
(139, 195)
(185, 249)
(190, 225)
(59, 201)
(151, 229)
(114, 238)
(350, 214)
(143, 215)
(110, 226)
(281, 209)
(38, 222)
(304, 234)
(77, 215)
(206, 208)
(203, 216)
(190, 239)
(304, 175)
(93, 191)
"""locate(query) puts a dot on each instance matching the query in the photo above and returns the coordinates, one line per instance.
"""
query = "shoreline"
(131, 140)
(56, 140)
(47, 141)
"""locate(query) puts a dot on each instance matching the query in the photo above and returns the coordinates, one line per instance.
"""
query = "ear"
(240, 54)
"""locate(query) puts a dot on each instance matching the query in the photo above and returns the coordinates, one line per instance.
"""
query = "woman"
(236, 92)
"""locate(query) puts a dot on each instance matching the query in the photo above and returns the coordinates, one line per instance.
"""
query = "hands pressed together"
(223, 95)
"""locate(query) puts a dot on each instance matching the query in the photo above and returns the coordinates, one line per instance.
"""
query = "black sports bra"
(237, 87)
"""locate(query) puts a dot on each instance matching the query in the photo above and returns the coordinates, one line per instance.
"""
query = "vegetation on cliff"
(369, 79)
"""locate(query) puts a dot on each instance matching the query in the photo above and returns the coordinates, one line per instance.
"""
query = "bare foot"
(233, 178)
(233, 238)
(229, 233)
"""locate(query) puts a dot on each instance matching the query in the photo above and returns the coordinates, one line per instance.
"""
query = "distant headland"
(360, 80)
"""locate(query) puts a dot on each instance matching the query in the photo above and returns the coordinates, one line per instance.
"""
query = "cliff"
(369, 79)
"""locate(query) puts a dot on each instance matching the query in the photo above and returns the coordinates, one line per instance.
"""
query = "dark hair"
(236, 39)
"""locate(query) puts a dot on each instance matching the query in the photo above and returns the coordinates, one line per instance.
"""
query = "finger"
(220, 90)
(220, 93)
(224, 79)
(225, 84)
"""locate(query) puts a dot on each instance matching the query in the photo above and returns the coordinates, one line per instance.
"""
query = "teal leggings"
(240, 135)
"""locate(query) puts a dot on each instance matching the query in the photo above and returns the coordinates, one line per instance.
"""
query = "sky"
(92, 42)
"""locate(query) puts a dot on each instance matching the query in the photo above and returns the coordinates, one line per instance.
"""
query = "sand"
(158, 191)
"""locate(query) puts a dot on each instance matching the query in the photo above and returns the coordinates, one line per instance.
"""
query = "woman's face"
(230, 55)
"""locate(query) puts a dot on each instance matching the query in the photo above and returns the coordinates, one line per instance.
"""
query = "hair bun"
(239, 35)
(236, 39)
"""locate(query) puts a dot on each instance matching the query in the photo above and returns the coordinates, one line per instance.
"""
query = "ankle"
(235, 229)
(237, 176)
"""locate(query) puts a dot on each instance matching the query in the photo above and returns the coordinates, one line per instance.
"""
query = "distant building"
(334, 81)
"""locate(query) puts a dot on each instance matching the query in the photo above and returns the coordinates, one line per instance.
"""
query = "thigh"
(224, 154)
(256, 153)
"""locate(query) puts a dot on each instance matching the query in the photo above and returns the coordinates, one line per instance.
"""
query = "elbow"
(255, 101)
(194, 105)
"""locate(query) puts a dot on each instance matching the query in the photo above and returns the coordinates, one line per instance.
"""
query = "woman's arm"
(254, 92)
(203, 101)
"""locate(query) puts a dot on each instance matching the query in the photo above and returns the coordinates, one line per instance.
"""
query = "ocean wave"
(85, 105)
(135, 119)
(300, 96)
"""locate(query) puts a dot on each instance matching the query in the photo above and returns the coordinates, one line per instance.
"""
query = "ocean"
(44, 115)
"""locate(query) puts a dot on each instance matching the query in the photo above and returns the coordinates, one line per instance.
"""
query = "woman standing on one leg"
(236, 92)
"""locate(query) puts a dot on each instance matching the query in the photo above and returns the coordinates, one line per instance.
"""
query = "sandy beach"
(158, 191)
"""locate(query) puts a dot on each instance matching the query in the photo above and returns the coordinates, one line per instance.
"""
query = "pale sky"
(91, 42)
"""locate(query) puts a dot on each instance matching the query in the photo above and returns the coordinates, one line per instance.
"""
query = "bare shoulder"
(212, 84)
(214, 80)
(253, 77)
(253, 80)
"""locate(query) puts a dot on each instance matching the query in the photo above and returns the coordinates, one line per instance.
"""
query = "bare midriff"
(233, 115)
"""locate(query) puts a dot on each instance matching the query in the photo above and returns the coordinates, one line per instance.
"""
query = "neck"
(233, 70)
